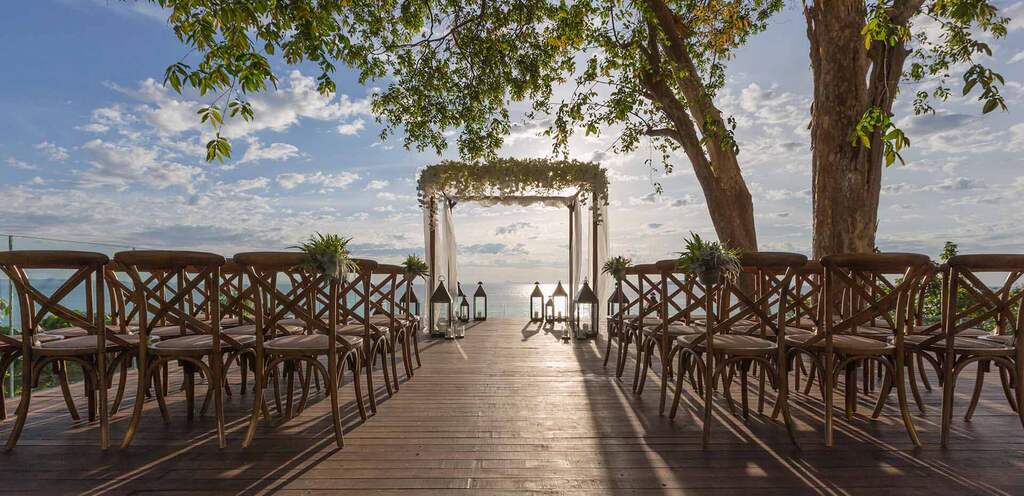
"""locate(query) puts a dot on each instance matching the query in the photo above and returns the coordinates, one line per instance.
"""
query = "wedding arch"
(580, 187)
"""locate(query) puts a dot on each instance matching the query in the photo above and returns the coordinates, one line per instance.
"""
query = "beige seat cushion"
(1003, 339)
(67, 332)
(961, 345)
(730, 344)
(196, 344)
(170, 332)
(843, 343)
(37, 339)
(250, 330)
(674, 330)
(78, 345)
(359, 330)
(308, 343)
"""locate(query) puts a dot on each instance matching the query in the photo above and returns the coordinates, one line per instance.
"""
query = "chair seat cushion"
(358, 330)
(844, 343)
(962, 345)
(169, 332)
(250, 330)
(674, 330)
(730, 344)
(308, 343)
(197, 343)
(67, 332)
(1003, 339)
(83, 344)
(36, 338)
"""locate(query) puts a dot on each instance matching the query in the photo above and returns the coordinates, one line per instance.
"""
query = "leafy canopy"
(935, 55)
(458, 65)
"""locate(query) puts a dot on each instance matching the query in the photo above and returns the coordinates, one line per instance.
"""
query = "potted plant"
(709, 260)
(328, 255)
(616, 267)
(416, 267)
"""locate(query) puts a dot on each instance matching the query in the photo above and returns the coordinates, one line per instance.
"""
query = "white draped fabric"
(603, 280)
(446, 248)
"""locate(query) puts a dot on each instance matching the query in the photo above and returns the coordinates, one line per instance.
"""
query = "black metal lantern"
(587, 311)
(412, 303)
(617, 302)
(549, 312)
(440, 309)
(464, 310)
(480, 302)
(536, 304)
(561, 302)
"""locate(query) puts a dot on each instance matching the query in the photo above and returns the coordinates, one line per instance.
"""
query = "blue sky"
(94, 148)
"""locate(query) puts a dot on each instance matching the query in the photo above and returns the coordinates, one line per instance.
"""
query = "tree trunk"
(846, 181)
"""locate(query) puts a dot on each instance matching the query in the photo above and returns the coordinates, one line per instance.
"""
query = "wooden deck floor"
(513, 410)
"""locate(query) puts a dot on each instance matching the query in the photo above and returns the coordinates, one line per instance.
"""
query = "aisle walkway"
(514, 410)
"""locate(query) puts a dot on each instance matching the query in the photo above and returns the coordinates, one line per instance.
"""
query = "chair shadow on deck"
(757, 455)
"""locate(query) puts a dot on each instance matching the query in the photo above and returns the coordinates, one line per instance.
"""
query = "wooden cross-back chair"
(677, 297)
(642, 281)
(356, 306)
(389, 314)
(730, 345)
(859, 290)
(412, 320)
(202, 350)
(958, 346)
(298, 304)
(37, 349)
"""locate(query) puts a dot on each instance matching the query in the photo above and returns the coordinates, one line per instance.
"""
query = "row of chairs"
(839, 320)
(264, 311)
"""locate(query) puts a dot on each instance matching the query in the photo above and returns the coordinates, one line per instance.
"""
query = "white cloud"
(120, 165)
(244, 184)
(274, 151)
(53, 152)
(351, 128)
(1017, 58)
(377, 184)
(20, 164)
(340, 180)
(277, 110)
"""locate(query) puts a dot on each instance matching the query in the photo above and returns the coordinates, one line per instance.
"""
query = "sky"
(94, 148)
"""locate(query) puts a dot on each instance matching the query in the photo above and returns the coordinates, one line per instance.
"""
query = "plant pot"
(710, 277)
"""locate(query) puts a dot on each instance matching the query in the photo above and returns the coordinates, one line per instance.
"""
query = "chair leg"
(709, 394)
(161, 400)
(215, 385)
(923, 373)
(65, 389)
(416, 345)
(122, 383)
(140, 399)
(394, 368)
(608, 347)
(827, 382)
(333, 378)
(190, 390)
(289, 372)
(257, 400)
(901, 394)
(354, 362)
(979, 382)
(679, 385)
(948, 388)
(306, 378)
(368, 368)
(912, 377)
(27, 380)
(883, 394)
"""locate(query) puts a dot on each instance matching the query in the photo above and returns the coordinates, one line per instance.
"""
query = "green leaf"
(990, 106)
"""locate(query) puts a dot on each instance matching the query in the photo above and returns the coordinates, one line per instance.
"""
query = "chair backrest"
(806, 287)
(169, 285)
(864, 288)
(236, 296)
(643, 281)
(35, 303)
(287, 288)
(680, 294)
(384, 284)
(968, 302)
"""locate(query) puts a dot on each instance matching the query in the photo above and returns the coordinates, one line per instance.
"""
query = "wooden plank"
(512, 411)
